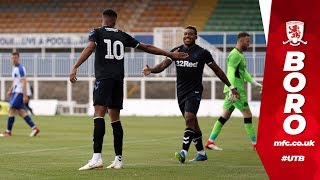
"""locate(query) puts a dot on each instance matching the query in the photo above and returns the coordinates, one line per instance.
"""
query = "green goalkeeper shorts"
(241, 103)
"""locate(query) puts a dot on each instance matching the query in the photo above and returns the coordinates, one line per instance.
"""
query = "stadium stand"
(200, 13)
(65, 16)
(232, 15)
(165, 13)
(43, 16)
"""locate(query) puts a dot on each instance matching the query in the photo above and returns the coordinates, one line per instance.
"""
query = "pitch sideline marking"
(75, 147)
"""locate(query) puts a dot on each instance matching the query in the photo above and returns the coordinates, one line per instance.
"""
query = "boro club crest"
(294, 33)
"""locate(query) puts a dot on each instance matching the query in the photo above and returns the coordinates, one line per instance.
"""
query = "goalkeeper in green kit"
(237, 75)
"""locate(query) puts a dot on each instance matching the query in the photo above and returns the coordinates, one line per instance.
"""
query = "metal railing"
(60, 64)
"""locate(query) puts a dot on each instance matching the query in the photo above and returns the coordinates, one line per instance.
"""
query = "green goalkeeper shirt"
(236, 71)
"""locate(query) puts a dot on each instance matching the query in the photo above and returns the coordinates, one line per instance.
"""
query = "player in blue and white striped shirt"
(18, 97)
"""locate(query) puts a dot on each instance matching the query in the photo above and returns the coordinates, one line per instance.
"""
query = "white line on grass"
(174, 163)
(75, 147)
(189, 163)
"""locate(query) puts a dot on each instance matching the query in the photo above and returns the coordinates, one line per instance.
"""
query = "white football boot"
(34, 132)
(92, 165)
(117, 163)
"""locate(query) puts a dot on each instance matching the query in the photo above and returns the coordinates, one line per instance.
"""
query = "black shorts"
(108, 93)
(190, 103)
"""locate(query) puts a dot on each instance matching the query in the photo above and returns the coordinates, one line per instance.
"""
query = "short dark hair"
(243, 34)
(193, 28)
(15, 54)
(110, 13)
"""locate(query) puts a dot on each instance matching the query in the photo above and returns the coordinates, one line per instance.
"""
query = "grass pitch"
(65, 144)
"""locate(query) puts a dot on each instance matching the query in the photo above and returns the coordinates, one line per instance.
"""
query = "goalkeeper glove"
(255, 83)
(233, 94)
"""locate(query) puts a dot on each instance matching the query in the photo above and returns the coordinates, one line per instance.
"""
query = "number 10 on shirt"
(114, 53)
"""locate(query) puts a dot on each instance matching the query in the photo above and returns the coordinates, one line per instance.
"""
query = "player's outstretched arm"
(83, 57)
(158, 68)
(154, 50)
(222, 76)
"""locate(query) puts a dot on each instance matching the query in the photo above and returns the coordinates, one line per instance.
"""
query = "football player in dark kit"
(189, 88)
(109, 44)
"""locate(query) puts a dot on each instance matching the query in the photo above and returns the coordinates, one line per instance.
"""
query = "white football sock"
(202, 152)
(118, 158)
(185, 152)
(96, 157)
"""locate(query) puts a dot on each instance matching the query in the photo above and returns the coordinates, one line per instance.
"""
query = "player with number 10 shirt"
(109, 44)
